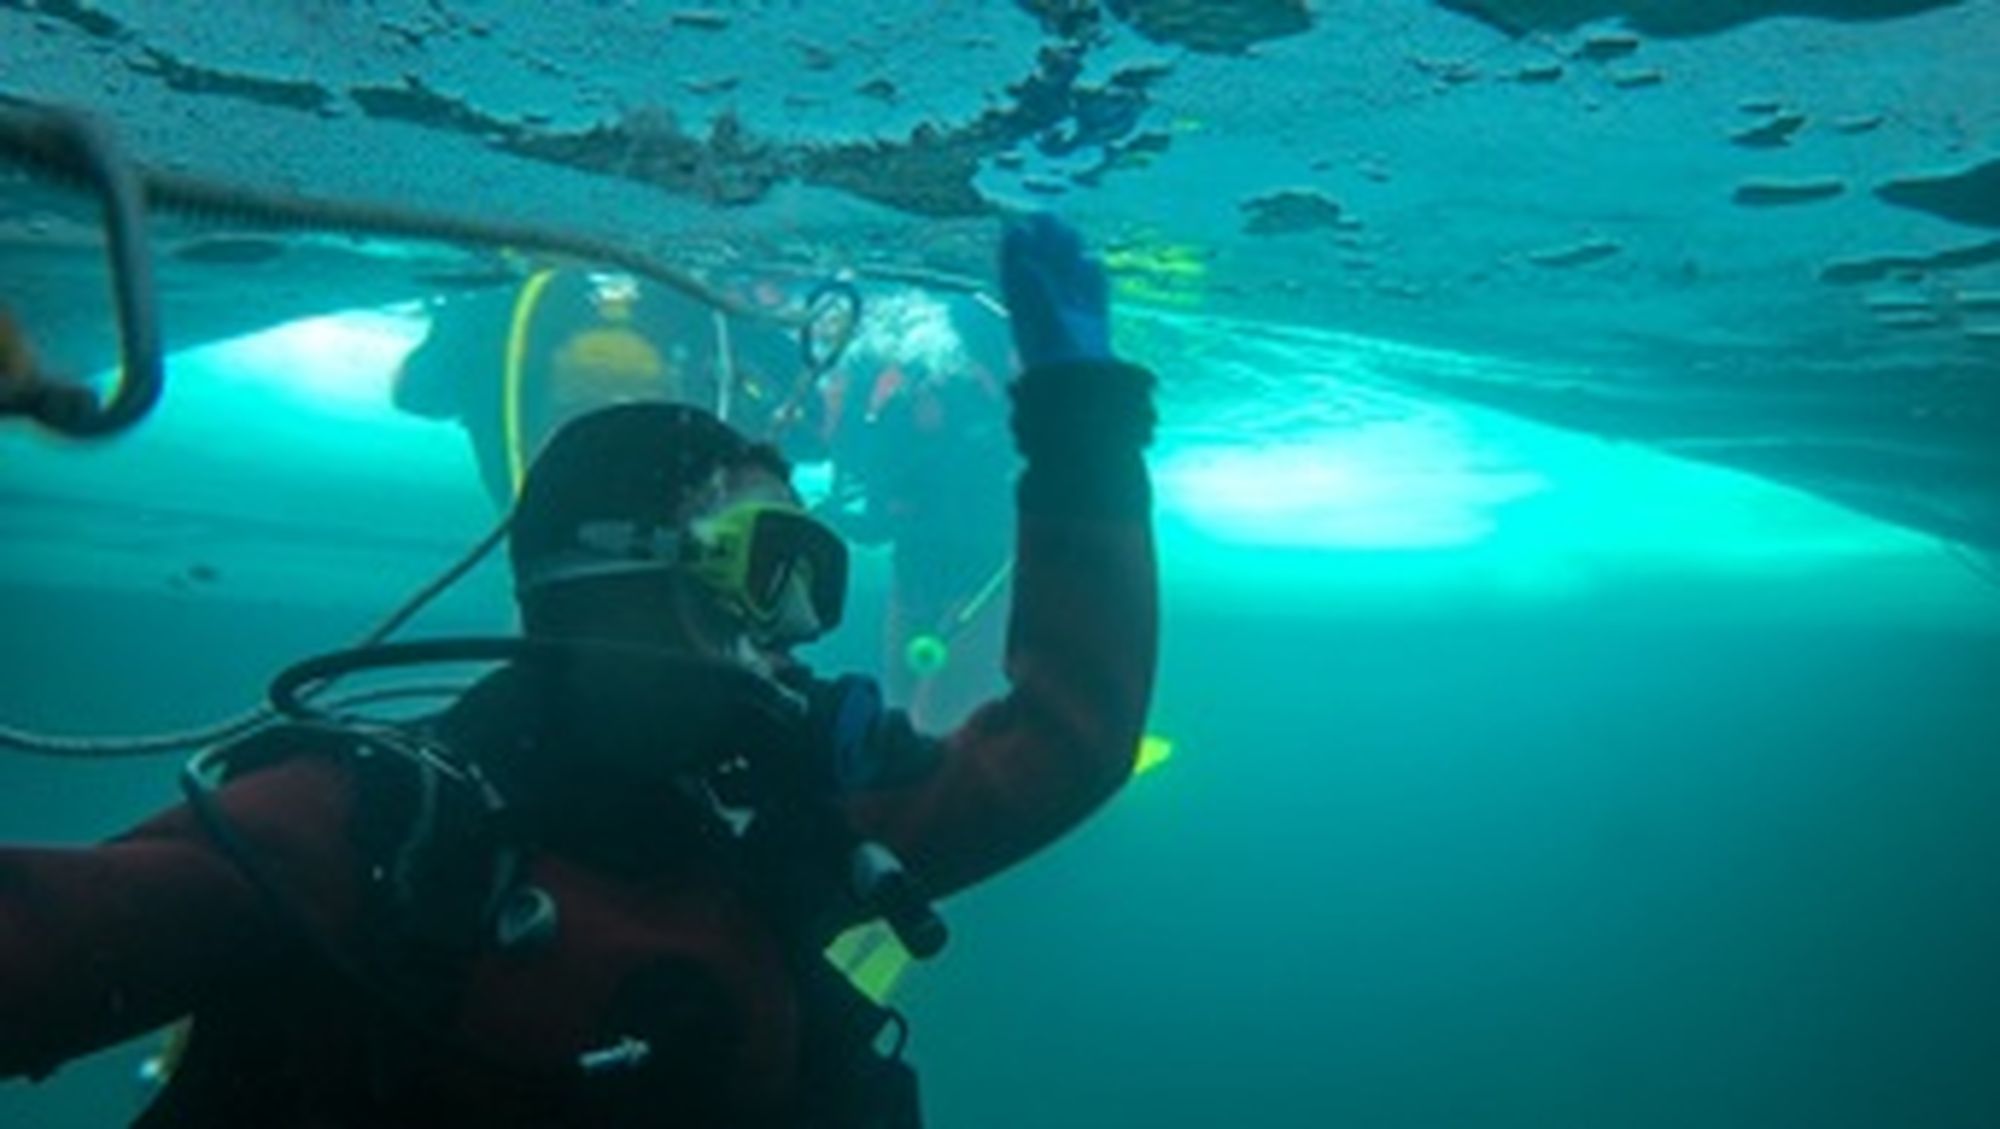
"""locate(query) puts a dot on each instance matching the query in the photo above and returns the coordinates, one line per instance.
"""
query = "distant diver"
(913, 422)
(597, 889)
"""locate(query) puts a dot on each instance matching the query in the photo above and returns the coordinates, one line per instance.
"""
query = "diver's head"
(656, 524)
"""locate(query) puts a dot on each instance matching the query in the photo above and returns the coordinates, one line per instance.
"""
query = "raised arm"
(1083, 633)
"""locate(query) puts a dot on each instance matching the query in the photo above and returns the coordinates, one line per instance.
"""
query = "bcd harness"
(445, 856)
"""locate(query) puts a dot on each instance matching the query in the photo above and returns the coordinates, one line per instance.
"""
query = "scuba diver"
(597, 888)
(913, 422)
(513, 365)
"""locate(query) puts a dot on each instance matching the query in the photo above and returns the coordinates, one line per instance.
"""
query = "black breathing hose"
(104, 748)
(292, 692)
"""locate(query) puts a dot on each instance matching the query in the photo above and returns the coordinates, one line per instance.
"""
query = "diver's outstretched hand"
(1056, 294)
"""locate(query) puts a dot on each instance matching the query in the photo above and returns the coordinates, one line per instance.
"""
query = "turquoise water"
(1519, 779)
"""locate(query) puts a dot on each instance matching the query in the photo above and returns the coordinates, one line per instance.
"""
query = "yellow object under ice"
(1159, 272)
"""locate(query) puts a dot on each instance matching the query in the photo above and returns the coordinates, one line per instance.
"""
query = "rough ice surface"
(1698, 204)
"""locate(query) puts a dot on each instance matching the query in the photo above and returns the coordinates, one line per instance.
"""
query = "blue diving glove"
(1081, 419)
(1056, 295)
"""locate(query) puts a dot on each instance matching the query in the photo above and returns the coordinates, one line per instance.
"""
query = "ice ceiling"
(1764, 233)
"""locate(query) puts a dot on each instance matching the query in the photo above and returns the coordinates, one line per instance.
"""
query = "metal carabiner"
(833, 316)
(67, 144)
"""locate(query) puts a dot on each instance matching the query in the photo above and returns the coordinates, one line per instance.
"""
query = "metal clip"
(627, 1054)
(527, 920)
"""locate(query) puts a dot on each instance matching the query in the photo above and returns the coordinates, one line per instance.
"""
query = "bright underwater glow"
(1488, 484)
(341, 364)
(1393, 485)
(1411, 474)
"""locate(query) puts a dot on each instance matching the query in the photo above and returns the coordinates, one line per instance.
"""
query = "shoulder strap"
(427, 833)
(434, 835)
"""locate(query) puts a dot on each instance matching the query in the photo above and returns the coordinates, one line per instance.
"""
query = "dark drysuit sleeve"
(103, 943)
(1082, 639)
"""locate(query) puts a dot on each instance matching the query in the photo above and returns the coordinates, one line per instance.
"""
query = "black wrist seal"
(1082, 427)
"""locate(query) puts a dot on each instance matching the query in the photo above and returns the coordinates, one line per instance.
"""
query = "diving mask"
(778, 570)
(780, 573)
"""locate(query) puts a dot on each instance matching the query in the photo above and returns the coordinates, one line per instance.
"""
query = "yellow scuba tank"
(565, 356)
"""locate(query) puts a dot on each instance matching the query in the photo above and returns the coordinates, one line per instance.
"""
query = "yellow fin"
(880, 972)
(1154, 751)
(870, 956)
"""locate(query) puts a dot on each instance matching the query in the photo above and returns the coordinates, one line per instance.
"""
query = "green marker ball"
(926, 655)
